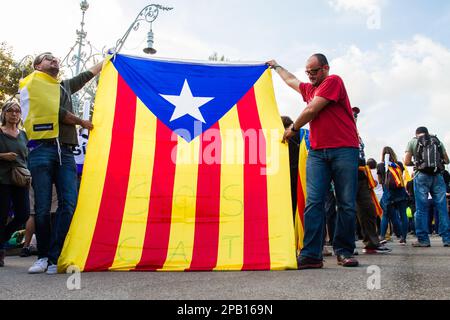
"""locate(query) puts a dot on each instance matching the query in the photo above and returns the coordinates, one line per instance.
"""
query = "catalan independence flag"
(185, 171)
(301, 189)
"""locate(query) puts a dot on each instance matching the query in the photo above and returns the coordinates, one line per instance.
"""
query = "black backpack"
(429, 155)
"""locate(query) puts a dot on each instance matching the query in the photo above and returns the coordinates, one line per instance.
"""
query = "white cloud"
(399, 87)
(362, 6)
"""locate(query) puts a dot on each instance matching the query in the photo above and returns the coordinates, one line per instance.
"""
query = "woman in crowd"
(13, 153)
(395, 198)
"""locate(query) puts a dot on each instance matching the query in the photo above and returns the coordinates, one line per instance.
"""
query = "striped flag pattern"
(301, 189)
(151, 200)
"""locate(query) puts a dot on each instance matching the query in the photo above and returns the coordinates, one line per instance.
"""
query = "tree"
(215, 57)
(10, 73)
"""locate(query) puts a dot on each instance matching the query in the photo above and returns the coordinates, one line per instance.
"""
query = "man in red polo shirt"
(333, 157)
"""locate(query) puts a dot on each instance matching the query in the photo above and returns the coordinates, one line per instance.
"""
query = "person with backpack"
(395, 199)
(430, 157)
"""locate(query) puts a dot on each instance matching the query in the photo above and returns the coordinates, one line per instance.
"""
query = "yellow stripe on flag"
(182, 229)
(134, 225)
(299, 227)
(302, 166)
(79, 238)
(281, 225)
(231, 229)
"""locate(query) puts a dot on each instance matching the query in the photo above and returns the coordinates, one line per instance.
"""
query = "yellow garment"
(409, 213)
(40, 99)
(406, 176)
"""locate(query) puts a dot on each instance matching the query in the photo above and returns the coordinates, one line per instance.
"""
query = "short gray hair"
(8, 105)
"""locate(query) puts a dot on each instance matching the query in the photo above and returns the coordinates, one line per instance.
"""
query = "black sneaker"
(348, 262)
(2, 257)
(377, 250)
(26, 252)
(383, 249)
(309, 263)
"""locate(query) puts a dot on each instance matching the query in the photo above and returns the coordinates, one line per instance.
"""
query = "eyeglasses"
(313, 72)
(47, 57)
(13, 111)
(50, 58)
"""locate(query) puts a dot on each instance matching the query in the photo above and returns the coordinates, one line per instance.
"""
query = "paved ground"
(407, 273)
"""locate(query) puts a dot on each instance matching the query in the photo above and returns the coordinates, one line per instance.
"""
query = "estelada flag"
(185, 171)
(301, 189)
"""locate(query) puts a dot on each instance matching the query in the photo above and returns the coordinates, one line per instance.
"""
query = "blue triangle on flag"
(214, 90)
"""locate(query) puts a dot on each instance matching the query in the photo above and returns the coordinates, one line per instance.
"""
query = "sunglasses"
(47, 57)
(313, 72)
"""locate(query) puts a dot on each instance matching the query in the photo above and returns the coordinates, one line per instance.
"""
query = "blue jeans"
(20, 200)
(425, 184)
(341, 166)
(46, 169)
(392, 212)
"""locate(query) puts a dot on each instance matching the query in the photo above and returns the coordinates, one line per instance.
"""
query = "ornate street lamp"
(80, 57)
(149, 15)
(22, 65)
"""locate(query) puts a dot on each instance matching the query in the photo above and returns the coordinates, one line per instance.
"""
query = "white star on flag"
(187, 104)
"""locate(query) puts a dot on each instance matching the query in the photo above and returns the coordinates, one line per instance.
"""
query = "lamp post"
(22, 65)
(84, 6)
(149, 14)
(80, 56)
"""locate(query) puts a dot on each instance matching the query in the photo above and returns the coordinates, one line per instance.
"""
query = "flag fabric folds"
(185, 171)
(372, 185)
(301, 189)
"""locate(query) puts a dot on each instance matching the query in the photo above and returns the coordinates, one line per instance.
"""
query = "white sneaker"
(52, 269)
(39, 266)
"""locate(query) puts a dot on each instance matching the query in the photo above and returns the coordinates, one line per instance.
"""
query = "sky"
(393, 55)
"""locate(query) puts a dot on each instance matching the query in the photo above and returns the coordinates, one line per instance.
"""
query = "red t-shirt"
(335, 126)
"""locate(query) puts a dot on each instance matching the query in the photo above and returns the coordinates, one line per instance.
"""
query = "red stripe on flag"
(207, 221)
(109, 222)
(256, 224)
(301, 201)
(159, 221)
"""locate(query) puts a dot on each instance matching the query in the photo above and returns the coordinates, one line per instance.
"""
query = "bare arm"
(72, 119)
(380, 178)
(408, 159)
(309, 113)
(10, 156)
(290, 79)
(97, 68)
(446, 160)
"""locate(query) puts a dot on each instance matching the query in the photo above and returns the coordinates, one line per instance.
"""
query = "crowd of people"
(337, 162)
(345, 193)
(45, 151)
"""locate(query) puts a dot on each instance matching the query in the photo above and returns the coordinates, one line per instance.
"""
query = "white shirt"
(379, 188)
